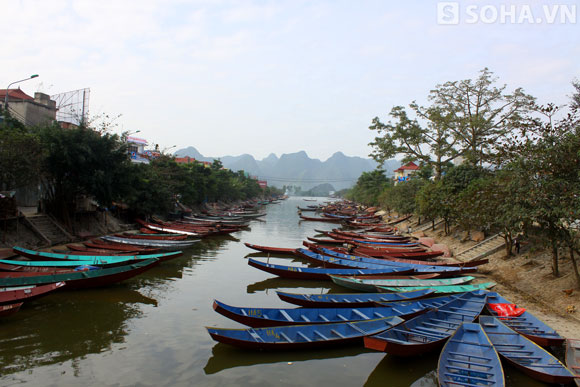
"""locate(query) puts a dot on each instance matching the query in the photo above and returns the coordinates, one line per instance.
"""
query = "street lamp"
(169, 147)
(8, 89)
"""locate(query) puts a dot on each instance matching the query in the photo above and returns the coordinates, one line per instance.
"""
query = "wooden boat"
(162, 237)
(384, 244)
(80, 279)
(446, 289)
(45, 256)
(327, 241)
(310, 273)
(349, 300)
(469, 359)
(94, 253)
(13, 265)
(573, 358)
(327, 220)
(99, 245)
(163, 245)
(524, 354)
(524, 322)
(303, 336)
(11, 295)
(370, 285)
(351, 261)
(381, 253)
(7, 310)
(267, 317)
(166, 229)
(430, 330)
(273, 250)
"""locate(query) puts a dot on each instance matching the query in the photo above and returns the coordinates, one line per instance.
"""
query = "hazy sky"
(232, 77)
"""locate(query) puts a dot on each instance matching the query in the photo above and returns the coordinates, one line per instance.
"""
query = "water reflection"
(287, 283)
(66, 326)
(224, 356)
(403, 371)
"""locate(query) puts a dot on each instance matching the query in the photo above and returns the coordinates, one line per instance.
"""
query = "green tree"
(479, 113)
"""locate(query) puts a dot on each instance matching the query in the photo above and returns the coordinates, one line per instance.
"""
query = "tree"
(368, 187)
(401, 197)
(431, 143)
(21, 156)
(82, 161)
(545, 157)
(576, 96)
(479, 113)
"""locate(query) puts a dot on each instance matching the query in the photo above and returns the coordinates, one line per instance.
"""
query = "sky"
(261, 77)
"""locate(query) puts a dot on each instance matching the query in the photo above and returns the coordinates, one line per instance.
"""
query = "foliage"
(576, 96)
(466, 118)
(401, 197)
(21, 155)
(368, 187)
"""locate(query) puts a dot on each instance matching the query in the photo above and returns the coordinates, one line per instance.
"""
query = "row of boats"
(405, 305)
(110, 259)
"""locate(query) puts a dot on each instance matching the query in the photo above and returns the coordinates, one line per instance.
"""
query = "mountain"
(298, 169)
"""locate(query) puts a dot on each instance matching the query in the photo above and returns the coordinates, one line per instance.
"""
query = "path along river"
(150, 331)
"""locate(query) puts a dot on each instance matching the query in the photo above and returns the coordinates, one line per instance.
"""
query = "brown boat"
(273, 250)
(27, 293)
(7, 310)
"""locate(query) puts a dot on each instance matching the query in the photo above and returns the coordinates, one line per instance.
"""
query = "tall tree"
(480, 113)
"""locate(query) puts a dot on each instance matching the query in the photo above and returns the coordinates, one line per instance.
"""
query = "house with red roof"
(29, 110)
(405, 172)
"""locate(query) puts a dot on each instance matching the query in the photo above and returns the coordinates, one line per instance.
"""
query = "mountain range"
(298, 169)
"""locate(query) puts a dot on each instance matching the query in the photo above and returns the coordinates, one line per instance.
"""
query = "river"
(150, 331)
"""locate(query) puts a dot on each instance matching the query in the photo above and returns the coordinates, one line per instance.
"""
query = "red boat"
(7, 310)
(328, 220)
(164, 237)
(101, 244)
(27, 293)
(273, 250)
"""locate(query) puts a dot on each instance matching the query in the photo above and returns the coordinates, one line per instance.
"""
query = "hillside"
(298, 169)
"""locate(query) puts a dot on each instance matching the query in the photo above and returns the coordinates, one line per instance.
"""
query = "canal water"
(150, 331)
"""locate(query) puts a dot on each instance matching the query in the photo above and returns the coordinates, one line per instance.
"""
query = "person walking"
(517, 244)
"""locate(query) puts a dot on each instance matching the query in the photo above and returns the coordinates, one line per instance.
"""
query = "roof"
(409, 167)
(15, 93)
(134, 140)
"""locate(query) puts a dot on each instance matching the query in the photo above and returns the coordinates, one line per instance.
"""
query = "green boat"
(78, 279)
(9, 264)
(438, 289)
(370, 285)
(45, 256)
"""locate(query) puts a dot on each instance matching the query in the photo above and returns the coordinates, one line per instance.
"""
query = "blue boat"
(270, 317)
(303, 336)
(524, 354)
(527, 324)
(336, 260)
(469, 359)
(350, 299)
(310, 273)
(430, 330)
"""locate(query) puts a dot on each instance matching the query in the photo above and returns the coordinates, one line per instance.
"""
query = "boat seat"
(474, 378)
(286, 315)
(437, 325)
(456, 313)
(255, 336)
(320, 334)
(379, 315)
(452, 382)
(444, 321)
(305, 318)
(421, 334)
(338, 333)
(304, 337)
(356, 328)
(323, 317)
(471, 343)
(285, 336)
(360, 314)
(340, 316)
(469, 362)
(469, 369)
(463, 354)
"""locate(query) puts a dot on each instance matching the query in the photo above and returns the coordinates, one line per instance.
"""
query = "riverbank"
(526, 280)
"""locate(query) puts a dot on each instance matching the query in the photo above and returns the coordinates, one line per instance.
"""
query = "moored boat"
(370, 285)
(350, 299)
(269, 249)
(302, 336)
(11, 295)
(524, 354)
(573, 358)
(7, 310)
(315, 273)
(469, 359)
(430, 330)
(42, 256)
(522, 321)
(79, 279)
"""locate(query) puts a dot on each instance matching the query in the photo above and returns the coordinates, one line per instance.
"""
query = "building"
(136, 148)
(405, 172)
(263, 184)
(28, 110)
(191, 160)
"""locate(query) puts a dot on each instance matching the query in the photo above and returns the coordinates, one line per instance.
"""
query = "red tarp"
(507, 310)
